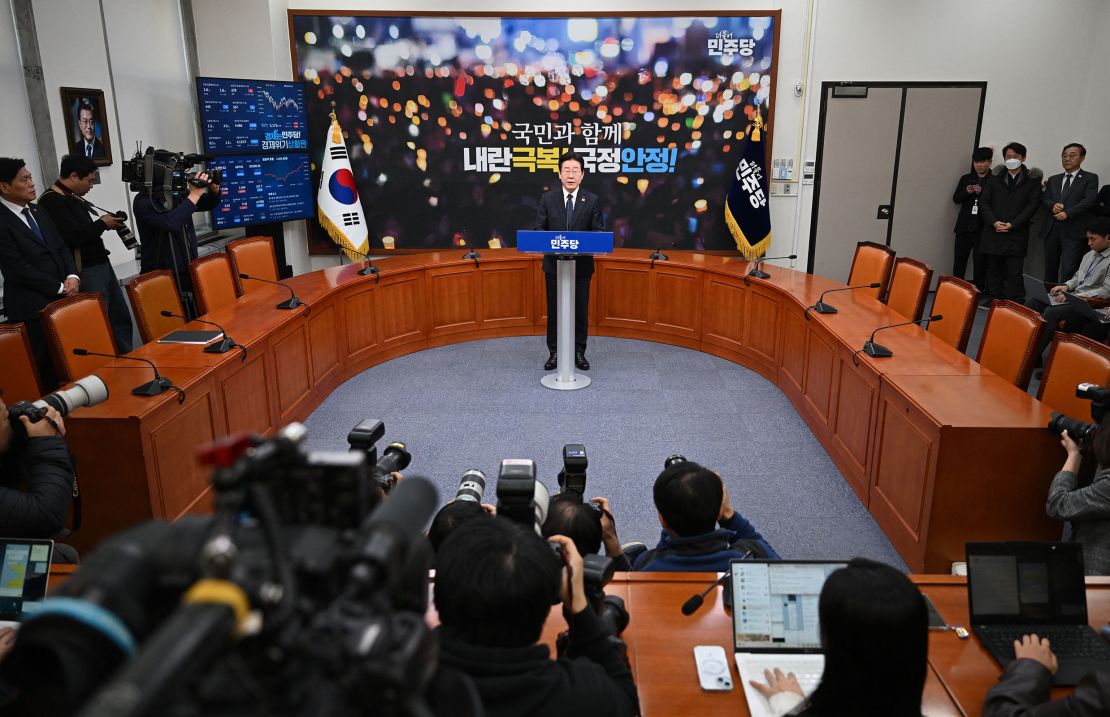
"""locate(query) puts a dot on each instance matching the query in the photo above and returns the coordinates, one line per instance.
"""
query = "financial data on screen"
(263, 188)
(251, 116)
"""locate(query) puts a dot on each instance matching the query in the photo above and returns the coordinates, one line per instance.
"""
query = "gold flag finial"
(757, 130)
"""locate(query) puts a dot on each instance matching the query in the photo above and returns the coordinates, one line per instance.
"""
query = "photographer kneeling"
(1087, 507)
(494, 587)
(36, 476)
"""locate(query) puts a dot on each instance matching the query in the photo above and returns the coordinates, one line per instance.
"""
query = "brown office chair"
(1073, 359)
(212, 283)
(253, 256)
(908, 287)
(19, 379)
(872, 263)
(150, 294)
(955, 300)
(1010, 341)
(78, 321)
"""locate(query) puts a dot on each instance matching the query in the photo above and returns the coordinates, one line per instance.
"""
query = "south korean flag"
(337, 203)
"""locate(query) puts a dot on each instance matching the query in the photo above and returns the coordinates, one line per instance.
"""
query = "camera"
(124, 234)
(87, 391)
(1080, 432)
(520, 497)
(472, 486)
(674, 459)
(159, 172)
(395, 457)
(572, 478)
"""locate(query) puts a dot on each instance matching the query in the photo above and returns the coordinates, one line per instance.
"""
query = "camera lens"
(472, 486)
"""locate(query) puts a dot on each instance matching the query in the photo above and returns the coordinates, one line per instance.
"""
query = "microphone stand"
(369, 268)
(757, 272)
(217, 347)
(471, 254)
(657, 256)
(822, 308)
(875, 350)
(151, 388)
(291, 303)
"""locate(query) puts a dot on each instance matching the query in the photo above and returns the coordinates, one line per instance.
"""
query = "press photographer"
(466, 506)
(65, 204)
(168, 195)
(589, 524)
(1085, 505)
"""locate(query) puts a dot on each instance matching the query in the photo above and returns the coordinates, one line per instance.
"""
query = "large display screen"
(252, 115)
(263, 188)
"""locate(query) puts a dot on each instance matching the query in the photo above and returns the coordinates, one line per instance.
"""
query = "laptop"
(1034, 289)
(774, 622)
(1018, 588)
(24, 571)
(1084, 309)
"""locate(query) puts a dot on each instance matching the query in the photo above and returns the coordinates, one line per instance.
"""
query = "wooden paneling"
(792, 371)
(323, 342)
(359, 322)
(675, 301)
(401, 311)
(181, 478)
(247, 397)
(453, 299)
(723, 311)
(762, 325)
(821, 355)
(855, 399)
(506, 294)
(291, 370)
(624, 295)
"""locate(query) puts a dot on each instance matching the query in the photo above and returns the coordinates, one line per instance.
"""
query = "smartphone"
(713, 671)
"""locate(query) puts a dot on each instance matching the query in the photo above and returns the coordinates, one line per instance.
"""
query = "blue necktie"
(33, 224)
(570, 209)
(88, 151)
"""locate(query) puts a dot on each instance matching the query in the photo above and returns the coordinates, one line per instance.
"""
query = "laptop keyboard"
(807, 668)
(1069, 641)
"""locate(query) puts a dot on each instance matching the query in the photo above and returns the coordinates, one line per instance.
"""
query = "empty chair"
(1072, 360)
(150, 294)
(872, 263)
(956, 300)
(253, 256)
(212, 283)
(19, 379)
(1010, 341)
(78, 321)
(908, 287)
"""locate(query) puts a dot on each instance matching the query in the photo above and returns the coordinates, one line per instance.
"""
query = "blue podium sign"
(564, 242)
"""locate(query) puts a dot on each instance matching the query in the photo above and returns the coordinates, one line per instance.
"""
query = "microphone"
(222, 346)
(690, 606)
(291, 303)
(822, 308)
(758, 273)
(658, 255)
(875, 350)
(150, 388)
(369, 268)
(471, 254)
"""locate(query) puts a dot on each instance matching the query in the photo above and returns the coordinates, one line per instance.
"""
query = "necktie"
(1067, 184)
(570, 209)
(88, 151)
(33, 224)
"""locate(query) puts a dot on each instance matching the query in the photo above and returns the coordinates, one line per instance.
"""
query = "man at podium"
(570, 208)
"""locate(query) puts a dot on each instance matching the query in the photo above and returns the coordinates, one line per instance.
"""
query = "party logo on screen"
(723, 44)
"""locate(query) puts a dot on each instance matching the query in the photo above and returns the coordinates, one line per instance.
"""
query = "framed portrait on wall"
(87, 124)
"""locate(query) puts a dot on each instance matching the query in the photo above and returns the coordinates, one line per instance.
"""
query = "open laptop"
(24, 571)
(1018, 588)
(1034, 289)
(774, 621)
(1083, 308)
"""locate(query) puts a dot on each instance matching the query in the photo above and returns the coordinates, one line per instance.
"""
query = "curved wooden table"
(939, 449)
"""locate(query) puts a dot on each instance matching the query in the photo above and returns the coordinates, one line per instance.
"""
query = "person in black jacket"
(1023, 690)
(168, 237)
(494, 587)
(1102, 202)
(969, 227)
(1007, 204)
(36, 477)
(70, 214)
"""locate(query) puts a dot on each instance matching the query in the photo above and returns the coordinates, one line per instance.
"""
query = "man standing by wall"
(1008, 202)
(1069, 199)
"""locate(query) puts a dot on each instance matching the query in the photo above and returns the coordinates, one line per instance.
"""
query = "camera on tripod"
(1083, 433)
(166, 175)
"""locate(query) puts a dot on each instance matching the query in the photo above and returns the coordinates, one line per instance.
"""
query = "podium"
(565, 246)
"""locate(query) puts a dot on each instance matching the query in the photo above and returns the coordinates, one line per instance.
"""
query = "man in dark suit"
(1069, 199)
(89, 145)
(36, 263)
(570, 208)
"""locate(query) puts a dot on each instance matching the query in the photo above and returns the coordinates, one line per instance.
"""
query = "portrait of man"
(86, 124)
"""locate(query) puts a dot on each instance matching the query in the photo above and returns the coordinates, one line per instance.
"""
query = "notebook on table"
(24, 572)
(1019, 588)
(775, 623)
(191, 337)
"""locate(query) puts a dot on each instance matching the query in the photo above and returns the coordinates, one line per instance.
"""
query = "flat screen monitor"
(252, 116)
(262, 189)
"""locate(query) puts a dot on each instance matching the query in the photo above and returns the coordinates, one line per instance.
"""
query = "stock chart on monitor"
(263, 188)
(241, 116)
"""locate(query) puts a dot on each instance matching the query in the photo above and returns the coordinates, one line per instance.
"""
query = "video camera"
(1083, 433)
(87, 391)
(164, 174)
(297, 596)
(396, 457)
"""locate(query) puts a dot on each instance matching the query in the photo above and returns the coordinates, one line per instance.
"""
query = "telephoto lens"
(674, 459)
(472, 486)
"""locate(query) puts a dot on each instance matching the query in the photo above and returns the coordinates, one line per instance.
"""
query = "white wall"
(18, 138)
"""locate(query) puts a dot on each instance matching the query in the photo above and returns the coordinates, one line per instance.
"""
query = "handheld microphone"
(822, 308)
(875, 350)
(757, 270)
(291, 303)
(151, 388)
(222, 346)
(471, 254)
(369, 268)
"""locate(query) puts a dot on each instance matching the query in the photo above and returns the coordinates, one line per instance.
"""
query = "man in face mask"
(1007, 203)
(1069, 198)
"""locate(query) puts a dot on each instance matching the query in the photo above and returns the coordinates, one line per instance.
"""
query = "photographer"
(168, 237)
(1087, 507)
(494, 587)
(589, 525)
(36, 477)
(453, 515)
(70, 214)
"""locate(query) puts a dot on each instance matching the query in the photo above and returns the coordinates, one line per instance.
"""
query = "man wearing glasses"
(1069, 198)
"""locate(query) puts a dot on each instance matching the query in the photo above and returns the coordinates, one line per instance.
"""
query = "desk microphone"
(757, 271)
(222, 346)
(150, 388)
(369, 268)
(822, 308)
(691, 606)
(291, 303)
(875, 350)
(471, 254)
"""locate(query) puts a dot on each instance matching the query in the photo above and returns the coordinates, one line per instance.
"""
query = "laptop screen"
(774, 604)
(1025, 582)
(24, 571)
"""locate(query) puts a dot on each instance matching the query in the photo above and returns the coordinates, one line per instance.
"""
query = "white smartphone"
(713, 670)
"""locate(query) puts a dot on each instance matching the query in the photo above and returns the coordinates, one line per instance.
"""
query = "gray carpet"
(470, 405)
